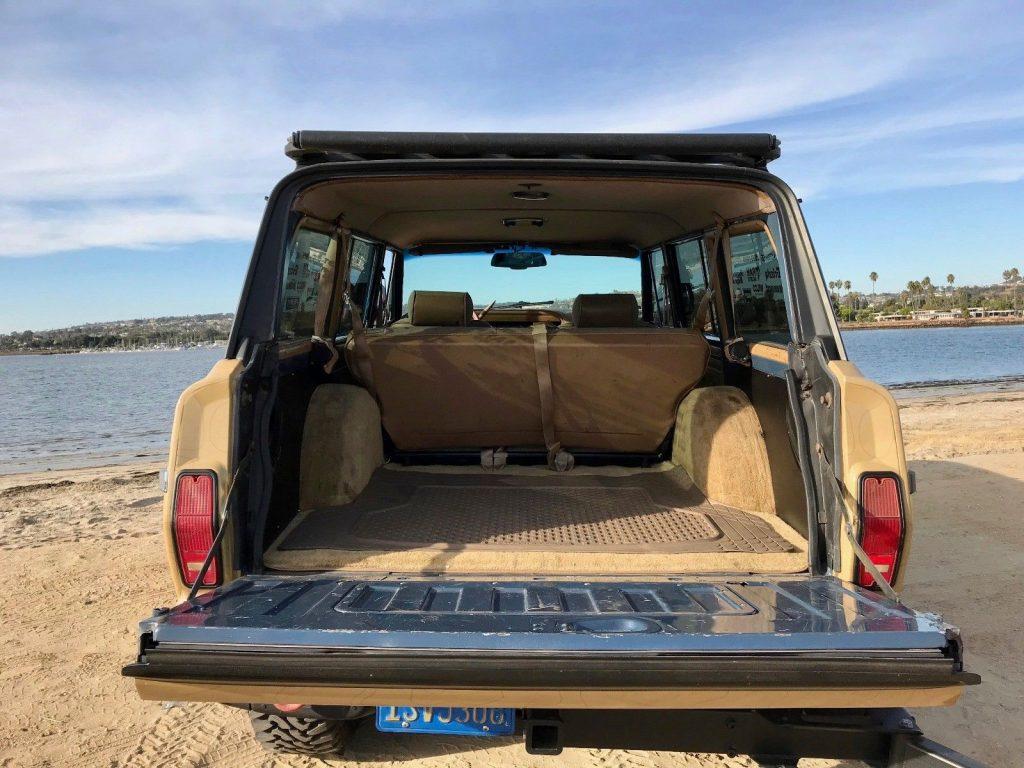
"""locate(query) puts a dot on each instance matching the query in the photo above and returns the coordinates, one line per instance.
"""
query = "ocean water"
(64, 411)
(925, 357)
(60, 411)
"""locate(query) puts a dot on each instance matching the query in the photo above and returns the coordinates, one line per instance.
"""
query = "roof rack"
(743, 149)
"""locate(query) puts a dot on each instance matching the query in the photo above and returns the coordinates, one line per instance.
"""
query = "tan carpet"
(536, 523)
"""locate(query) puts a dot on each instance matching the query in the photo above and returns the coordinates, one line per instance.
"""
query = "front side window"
(306, 264)
(759, 302)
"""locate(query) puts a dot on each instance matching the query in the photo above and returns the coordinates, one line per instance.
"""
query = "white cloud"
(28, 232)
(175, 139)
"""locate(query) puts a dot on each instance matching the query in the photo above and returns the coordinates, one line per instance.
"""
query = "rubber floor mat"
(642, 512)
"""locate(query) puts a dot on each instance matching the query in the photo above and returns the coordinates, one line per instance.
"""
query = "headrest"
(605, 310)
(440, 308)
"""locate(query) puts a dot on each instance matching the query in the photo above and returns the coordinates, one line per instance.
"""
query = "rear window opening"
(524, 386)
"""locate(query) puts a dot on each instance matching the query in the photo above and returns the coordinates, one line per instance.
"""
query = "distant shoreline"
(107, 350)
(952, 323)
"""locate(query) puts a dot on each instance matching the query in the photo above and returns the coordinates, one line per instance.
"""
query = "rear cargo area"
(522, 520)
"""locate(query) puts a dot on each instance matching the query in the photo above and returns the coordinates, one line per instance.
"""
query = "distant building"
(934, 314)
(983, 312)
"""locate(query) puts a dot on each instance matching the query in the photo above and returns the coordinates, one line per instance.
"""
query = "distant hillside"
(146, 333)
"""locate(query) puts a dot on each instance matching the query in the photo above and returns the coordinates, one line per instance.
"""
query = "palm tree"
(873, 277)
(950, 278)
(846, 285)
(1012, 278)
(919, 290)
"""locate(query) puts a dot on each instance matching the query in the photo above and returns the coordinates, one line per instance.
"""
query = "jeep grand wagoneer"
(548, 435)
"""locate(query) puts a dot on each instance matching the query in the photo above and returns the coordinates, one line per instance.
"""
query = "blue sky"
(137, 141)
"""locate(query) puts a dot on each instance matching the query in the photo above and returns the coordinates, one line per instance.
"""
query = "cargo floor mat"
(544, 523)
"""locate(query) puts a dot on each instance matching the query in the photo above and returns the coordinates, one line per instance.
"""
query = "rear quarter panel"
(871, 441)
(201, 439)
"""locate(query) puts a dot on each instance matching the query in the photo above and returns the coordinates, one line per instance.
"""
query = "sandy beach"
(82, 558)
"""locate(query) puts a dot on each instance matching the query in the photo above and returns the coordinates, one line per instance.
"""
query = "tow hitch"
(887, 738)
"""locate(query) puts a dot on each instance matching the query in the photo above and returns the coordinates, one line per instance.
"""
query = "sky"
(138, 140)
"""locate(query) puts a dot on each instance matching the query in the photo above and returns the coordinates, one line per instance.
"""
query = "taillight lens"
(194, 521)
(881, 526)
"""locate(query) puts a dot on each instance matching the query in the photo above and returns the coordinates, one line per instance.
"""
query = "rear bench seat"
(445, 381)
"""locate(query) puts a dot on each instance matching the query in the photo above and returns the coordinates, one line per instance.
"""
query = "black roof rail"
(744, 149)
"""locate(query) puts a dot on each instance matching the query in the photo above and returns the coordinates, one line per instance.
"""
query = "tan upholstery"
(719, 442)
(455, 387)
(341, 446)
(615, 389)
(440, 308)
(605, 310)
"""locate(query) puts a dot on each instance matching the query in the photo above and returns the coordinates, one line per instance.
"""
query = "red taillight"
(881, 526)
(194, 513)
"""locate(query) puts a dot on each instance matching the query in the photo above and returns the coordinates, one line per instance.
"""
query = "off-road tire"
(300, 736)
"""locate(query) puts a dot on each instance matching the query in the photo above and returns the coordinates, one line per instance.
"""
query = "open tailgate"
(687, 643)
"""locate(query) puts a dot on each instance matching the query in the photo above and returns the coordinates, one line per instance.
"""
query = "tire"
(300, 736)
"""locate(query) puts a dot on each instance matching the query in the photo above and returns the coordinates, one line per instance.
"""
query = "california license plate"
(458, 721)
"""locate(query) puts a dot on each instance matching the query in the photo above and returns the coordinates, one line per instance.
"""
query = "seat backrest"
(617, 389)
(451, 384)
(449, 387)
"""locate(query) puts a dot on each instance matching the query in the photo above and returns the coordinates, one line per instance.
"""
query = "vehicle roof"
(738, 149)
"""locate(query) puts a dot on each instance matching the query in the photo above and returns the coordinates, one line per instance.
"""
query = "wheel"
(298, 735)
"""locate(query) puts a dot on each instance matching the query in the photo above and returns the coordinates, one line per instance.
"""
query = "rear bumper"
(154, 689)
(495, 670)
(674, 681)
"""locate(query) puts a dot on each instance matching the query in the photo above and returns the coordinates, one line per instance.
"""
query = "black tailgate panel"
(435, 631)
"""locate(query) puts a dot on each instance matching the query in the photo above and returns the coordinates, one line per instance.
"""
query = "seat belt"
(321, 311)
(703, 313)
(361, 350)
(559, 460)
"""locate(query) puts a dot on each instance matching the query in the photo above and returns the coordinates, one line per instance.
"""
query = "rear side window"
(759, 302)
(693, 276)
(306, 263)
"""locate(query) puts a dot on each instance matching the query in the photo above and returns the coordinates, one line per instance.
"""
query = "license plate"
(458, 721)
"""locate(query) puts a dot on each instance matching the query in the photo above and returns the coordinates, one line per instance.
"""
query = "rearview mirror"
(518, 259)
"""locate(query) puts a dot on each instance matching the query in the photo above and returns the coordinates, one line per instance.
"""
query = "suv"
(550, 435)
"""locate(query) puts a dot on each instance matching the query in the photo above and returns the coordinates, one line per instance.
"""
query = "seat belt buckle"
(560, 460)
(493, 458)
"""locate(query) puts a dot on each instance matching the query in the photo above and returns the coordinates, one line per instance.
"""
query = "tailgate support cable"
(197, 585)
(840, 489)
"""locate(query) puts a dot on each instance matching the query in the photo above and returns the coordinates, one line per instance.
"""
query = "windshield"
(554, 285)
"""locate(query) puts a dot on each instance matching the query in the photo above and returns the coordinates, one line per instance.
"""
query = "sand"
(82, 558)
